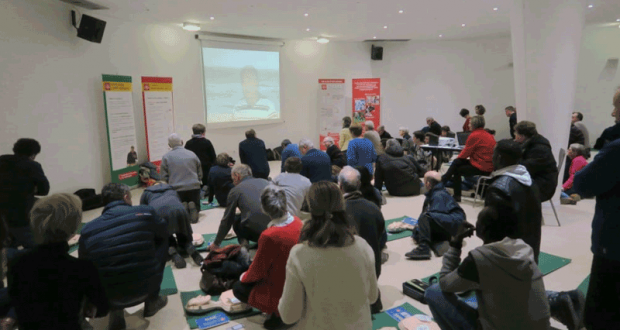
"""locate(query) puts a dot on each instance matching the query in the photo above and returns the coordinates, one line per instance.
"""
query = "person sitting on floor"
(246, 196)
(289, 149)
(440, 218)
(424, 158)
(576, 153)
(360, 151)
(400, 173)
(295, 185)
(316, 165)
(167, 204)
(330, 274)
(181, 169)
(367, 189)
(373, 137)
(406, 139)
(47, 286)
(220, 179)
(475, 159)
(338, 158)
(537, 158)
(262, 285)
(508, 284)
(512, 188)
(465, 114)
(129, 246)
(252, 152)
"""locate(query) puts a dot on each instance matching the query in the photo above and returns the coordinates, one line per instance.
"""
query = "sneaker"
(117, 320)
(576, 197)
(178, 261)
(440, 248)
(273, 322)
(197, 258)
(567, 201)
(422, 252)
(562, 310)
(193, 212)
(151, 307)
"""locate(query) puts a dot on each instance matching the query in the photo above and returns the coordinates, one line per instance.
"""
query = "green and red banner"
(158, 116)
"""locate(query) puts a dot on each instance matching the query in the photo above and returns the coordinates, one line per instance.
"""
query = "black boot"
(422, 252)
(152, 306)
(273, 322)
(197, 258)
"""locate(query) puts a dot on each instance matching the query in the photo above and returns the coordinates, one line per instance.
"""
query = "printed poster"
(367, 100)
(158, 116)
(332, 108)
(122, 145)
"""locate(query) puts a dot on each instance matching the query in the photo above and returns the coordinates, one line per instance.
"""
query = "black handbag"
(415, 289)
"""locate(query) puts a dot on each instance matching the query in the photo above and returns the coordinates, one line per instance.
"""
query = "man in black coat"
(336, 155)
(203, 148)
(433, 126)
(611, 133)
(252, 152)
(365, 216)
(383, 134)
(538, 159)
(401, 173)
(511, 112)
(316, 165)
(512, 191)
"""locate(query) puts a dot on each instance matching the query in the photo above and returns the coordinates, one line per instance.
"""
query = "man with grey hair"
(383, 134)
(337, 157)
(129, 245)
(373, 137)
(245, 196)
(316, 165)
(406, 141)
(366, 217)
(295, 185)
(181, 169)
(433, 126)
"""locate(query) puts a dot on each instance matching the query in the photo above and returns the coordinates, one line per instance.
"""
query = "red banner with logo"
(367, 100)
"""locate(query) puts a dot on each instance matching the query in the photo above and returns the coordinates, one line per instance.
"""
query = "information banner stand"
(332, 109)
(158, 116)
(367, 100)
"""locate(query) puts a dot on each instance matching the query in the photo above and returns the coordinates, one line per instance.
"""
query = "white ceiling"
(342, 20)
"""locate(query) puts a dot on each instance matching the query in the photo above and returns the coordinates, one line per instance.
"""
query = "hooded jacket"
(540, 163)
(166, 202)
(512, 189)
(508, 284)
(401, 174)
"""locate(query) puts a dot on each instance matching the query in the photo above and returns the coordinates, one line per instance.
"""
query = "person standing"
(465, 114)
(383, 134)
(360, 151)
(480, 110)
(203, 148)
(373, 137)
(253, 153)
(181, 169)
(511, 113)
(316, 165)
(577, 121)
(611, 133)
(345, 134)
(601, 178)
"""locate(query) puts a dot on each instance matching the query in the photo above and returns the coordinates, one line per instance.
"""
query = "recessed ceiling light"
(618, 20)
(401, 11)
(306, 14)
(308, 29)
(211, 18)
(374, 37)
(191, 26)
(385, 26)
(441, 36)
(590, 6)
(496, 9)
(463, 25)
(322, 40)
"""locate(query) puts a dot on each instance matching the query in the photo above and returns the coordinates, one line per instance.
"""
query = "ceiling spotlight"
(306, 14)
(322, 40)
(496, 9)
(191, 26)
(618, 20)
(590, 6)
(401, 11)
(211, 18)
(463, 25)
(385, 26)
(374, 37)
(441, 36)
(308, 29)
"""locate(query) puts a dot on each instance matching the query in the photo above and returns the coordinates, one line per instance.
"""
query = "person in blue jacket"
(253, 153)
(289, 149)
(360, 151)
(316, 165)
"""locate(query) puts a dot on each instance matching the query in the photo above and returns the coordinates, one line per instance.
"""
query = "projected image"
(241, 85)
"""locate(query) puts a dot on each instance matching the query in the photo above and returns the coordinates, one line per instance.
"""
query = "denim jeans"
(449, 311)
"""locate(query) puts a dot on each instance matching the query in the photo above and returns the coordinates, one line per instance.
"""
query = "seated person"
(167, 204)
(295, 185)
(261, 286)
(316, 165)
(246, 196)
(445, 132)
(220, 179)
(360, 151)
(400, 173)
(424, 158)
(373, 137)
(47, 286)
(405, 138)
(508, 284)
(611, 133)
(366, 217)
(576, 153)
(383, 134)
(440, 218)
(475, 159)
(512, 188)
(433, 126)
(337, 157)
(129, 246)
(289, 150)
(366, 188)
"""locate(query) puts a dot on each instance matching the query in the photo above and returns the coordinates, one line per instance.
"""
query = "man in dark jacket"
(433, 126)
(289, 149)
(253, 153)
(611, 133)
(400, 173)
(220, 179)
(383, 134)
(576, 136)
(365, 216)
(601, 178)
(336, 155)
(440, 219)
(511, 113)
(129, 246)
(512, 189)
(21, 178)
(538, 159)
(203, 148)
(316, 164)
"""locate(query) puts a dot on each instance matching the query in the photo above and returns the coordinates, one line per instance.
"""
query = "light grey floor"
(571, 240)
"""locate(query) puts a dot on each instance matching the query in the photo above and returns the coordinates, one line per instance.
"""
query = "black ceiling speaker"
(91, 29)
(376, 53)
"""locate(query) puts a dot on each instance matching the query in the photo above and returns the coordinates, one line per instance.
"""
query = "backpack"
(90, 200)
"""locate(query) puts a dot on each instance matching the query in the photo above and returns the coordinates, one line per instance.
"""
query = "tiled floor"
(571, 240)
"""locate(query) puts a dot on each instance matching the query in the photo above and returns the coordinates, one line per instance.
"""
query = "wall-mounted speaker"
(91, 29)
(376, 53)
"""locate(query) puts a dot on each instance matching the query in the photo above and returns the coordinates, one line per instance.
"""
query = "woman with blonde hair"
(330, 275)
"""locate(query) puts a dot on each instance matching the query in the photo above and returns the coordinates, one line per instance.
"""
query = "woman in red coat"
(262, 285)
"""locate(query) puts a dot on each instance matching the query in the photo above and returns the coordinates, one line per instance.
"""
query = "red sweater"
(466, 125)
(479, 149)
(576, 165)
(268, 270)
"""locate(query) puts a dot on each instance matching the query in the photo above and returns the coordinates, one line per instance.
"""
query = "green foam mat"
(79, 231)
(547, 263)
(583, 287)
(381, 320)
(204, 207)
(211, 237)
(168, 284)
(393, 237)
(191, 319)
